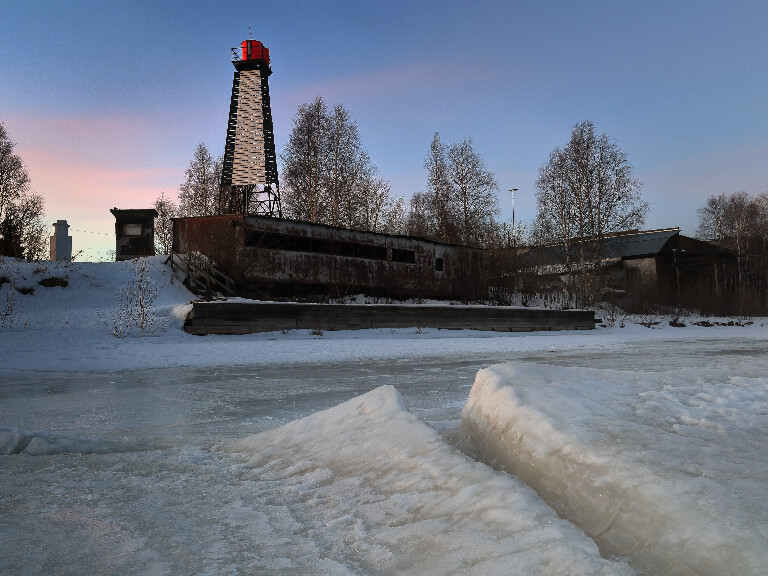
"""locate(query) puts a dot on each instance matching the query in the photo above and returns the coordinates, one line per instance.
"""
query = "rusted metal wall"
(273, 257)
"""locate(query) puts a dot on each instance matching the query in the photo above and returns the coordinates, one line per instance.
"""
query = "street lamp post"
(512, 193)
(513, 259)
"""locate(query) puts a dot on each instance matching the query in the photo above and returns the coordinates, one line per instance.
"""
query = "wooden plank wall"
(249, 317)
(249, 166)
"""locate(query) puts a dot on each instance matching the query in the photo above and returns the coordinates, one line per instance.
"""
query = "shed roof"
(626, 245)
(617, 246)
(133, 212)
(638, 243)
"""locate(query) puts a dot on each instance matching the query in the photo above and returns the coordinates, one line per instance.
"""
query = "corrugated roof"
(620, 245)
(638, 244)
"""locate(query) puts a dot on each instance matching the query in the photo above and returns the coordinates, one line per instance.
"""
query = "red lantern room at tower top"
(255, 50)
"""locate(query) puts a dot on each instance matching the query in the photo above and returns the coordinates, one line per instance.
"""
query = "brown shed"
(134, 233)
(659, 265)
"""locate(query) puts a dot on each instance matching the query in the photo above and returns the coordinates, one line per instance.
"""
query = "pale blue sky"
(107, 100)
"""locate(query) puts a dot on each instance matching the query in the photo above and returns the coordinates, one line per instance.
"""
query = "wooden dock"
(223, 317)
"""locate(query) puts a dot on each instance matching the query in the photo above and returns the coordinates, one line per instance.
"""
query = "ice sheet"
(15, 441)
(667, 468)
(378, 486)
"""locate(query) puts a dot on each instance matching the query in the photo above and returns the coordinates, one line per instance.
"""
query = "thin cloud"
(399, 78)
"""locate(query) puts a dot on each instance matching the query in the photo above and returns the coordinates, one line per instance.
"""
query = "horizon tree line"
(585, 191)
(738, 221)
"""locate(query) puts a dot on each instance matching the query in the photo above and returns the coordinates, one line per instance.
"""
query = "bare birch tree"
(166, 211)
(460, 203)
(712, 218)
(199, 193)
(22, 230)
(348, 169)
(474, 194)
(556, 219)
(440, 216)
(303, 159)
(328, 176)
(584, 192)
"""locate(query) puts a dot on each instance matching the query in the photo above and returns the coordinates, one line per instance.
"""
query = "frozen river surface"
(159, 472)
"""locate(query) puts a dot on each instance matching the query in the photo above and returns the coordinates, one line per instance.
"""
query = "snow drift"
(665, 468)
(384, 493)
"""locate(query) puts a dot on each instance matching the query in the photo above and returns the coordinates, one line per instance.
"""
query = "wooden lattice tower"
(249, 183)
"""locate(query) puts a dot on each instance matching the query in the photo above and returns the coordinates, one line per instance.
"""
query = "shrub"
(135, 304)
(11, 311)
(54, 281)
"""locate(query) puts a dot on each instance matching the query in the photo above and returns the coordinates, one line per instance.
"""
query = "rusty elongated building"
(271, 257)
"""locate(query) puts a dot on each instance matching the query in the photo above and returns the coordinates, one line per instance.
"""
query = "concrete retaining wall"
(248, 317)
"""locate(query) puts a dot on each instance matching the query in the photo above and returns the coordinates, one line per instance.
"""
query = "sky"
(106, 101)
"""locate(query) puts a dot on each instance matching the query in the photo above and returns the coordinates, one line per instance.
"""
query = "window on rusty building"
(404, 256)
(438, 264)
(276, 241)
(366, 251)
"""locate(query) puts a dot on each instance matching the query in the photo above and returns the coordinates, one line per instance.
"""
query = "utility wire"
(90, 232)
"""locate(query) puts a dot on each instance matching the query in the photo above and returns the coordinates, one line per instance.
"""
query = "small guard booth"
(134, 233)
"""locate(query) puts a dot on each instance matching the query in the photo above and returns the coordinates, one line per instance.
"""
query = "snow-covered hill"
(72, 327)
(76, 296)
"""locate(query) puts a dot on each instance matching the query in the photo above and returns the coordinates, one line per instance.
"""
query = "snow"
(668, 468)
(344, 453)
(63, 329)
